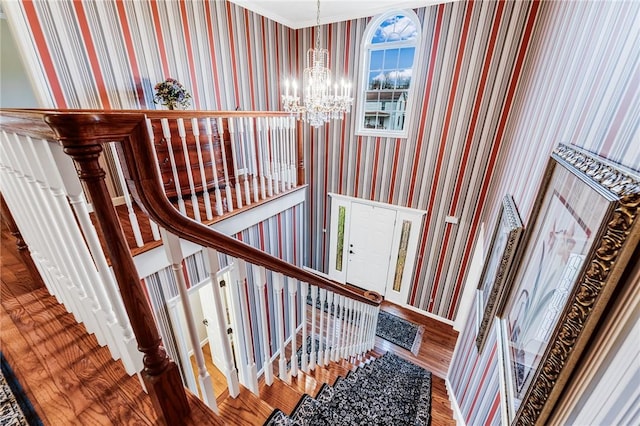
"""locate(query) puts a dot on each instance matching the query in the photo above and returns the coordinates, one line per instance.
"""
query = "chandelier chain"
(320, 99)
(318, 26)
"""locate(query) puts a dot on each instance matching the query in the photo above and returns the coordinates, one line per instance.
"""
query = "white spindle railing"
(43, 192)
(272, 316)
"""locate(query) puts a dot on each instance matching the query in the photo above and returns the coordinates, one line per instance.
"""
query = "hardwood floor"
(67, 376)
(71, 380)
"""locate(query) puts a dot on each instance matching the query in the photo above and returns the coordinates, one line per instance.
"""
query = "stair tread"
(246, 408)
(344, 403)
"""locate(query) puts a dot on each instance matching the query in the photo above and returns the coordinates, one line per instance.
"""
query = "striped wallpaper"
(230, 58)
(478, 68)
(500, 84)
(580, 85)
(471, 371)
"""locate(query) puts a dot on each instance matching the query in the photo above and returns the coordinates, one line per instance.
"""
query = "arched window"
(389, 52)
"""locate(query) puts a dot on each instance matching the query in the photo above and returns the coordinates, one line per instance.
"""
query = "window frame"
(366, 48)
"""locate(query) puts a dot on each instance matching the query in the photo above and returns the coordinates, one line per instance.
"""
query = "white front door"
(371, 231)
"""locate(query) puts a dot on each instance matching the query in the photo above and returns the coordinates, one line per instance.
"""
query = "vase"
(171, 106)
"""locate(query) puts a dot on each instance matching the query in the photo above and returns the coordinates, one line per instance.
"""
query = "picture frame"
(493, 280)
(584, 226)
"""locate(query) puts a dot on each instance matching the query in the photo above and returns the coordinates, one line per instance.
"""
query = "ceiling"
(302, 13)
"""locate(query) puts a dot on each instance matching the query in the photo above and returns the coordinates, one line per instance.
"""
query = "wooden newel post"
(160, 374)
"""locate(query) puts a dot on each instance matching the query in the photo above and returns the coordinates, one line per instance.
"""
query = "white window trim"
(364, 71)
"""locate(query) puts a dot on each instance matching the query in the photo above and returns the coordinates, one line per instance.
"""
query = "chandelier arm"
(319, 103)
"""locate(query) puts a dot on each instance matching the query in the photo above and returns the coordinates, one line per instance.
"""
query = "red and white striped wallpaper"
(474, 372)
(580, 85)
(109, 54)
(476, 75)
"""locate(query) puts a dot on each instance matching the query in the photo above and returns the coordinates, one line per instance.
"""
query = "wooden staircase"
(48, 370)
(249, 409)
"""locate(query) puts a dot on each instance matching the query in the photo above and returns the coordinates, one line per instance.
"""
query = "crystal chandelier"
(322, 100)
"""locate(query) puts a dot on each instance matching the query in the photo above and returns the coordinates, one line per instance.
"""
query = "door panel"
(370, 240)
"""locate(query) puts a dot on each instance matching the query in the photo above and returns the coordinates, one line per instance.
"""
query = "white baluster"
(225, 167)
(288, 141)
(360, 334)
(234, 158)
(275, 155)
(356, 329)
(243, 140)
(304, 290)
(195, 129)
(364, 327)
(293, 167)
(337, 324)
(228, 369)
(268, 156)
(166, 132)
(133, 218)
(374, 326)
(314, 344)
(278, 286)
(348, 326)
(252, 372)
(155, 231)
(328, 339)
(75, 295)
(292, 285)
(283, 161)
(253, 155)
(195, 204)
(47, 172)
(322, 343)
(260, 164)
(260, 279)
(16, 194)
(175, 256)
(214, 167)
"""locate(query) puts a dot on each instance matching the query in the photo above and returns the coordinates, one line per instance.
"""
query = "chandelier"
(322, 101)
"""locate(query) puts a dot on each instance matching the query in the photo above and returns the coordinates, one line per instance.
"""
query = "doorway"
(374, 245)
(370, 239)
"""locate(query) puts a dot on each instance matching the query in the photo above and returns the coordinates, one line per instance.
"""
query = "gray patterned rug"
(389, 391)
(399, 331)
(15, 407)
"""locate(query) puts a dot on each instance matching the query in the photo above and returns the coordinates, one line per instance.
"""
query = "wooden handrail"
(82, 134)
(142, 178)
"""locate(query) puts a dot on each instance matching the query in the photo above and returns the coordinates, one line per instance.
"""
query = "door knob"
(205, 322)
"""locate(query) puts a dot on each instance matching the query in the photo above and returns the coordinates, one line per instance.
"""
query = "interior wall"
(581, 87)
(14, 82)
(472, 55)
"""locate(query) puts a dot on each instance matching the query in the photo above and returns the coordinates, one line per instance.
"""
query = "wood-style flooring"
(71, 380)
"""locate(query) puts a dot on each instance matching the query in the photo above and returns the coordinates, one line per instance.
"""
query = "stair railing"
(346, 325)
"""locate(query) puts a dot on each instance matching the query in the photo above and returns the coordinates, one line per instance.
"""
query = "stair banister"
(142, 177)
(82, 134)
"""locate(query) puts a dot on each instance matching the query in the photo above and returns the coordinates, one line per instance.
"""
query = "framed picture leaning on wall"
(583, 228)
(502, 248)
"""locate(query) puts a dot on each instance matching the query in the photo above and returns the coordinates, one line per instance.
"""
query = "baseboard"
(428, 314)
(457, 414)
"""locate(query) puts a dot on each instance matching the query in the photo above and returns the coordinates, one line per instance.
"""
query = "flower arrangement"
(171, 93)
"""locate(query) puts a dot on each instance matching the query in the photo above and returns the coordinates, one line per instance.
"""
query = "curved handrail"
(74, 128)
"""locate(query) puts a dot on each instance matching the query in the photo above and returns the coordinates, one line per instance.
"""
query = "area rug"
(15, 407)
(399, 331)
(388, 391)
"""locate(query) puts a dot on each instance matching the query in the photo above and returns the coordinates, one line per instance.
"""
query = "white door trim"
(338, 272)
